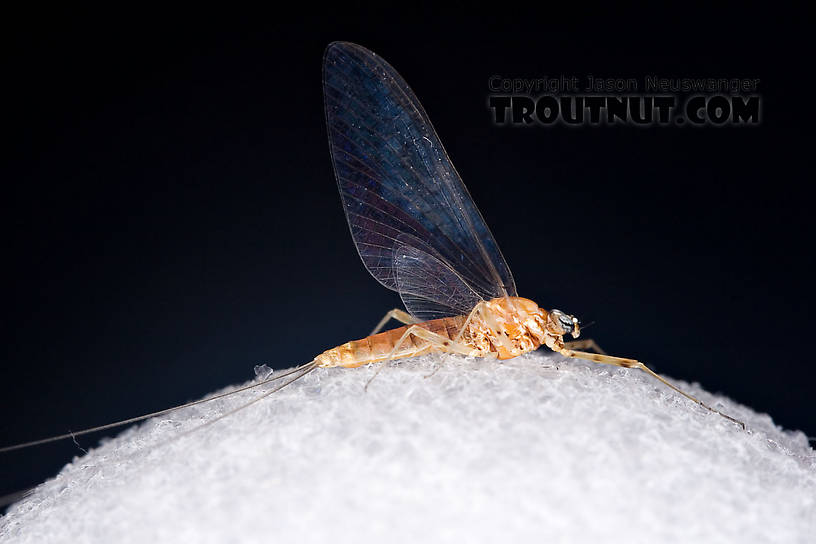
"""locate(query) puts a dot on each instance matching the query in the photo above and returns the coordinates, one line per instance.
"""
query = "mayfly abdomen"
(377, 347)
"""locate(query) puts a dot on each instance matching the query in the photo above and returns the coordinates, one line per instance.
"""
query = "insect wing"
(429, 287)
(400, 189)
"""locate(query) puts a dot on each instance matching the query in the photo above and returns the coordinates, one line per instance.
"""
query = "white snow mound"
(534, 449)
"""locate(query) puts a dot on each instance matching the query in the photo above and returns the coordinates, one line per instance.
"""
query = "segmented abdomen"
(375, 348)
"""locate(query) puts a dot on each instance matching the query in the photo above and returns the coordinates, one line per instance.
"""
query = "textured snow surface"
(533, 449)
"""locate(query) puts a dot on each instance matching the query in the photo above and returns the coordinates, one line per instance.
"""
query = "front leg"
(632, 363)
(588, 343)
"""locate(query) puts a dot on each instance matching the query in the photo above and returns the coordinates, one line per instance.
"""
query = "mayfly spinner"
(419, 233)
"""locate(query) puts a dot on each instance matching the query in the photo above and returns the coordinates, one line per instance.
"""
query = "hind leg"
(459, 336)
(435, 342)
(403, 317)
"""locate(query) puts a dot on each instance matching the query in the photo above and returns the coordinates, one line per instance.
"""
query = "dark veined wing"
(428, 286)
(400, 190)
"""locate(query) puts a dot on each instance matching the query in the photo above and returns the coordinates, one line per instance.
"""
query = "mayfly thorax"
(419, 233)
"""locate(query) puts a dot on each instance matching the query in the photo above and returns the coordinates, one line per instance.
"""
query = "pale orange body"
(501, 327)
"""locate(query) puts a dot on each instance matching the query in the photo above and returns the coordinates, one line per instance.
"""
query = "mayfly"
(419, 233)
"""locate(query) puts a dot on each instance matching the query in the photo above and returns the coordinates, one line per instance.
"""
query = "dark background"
(170, 216)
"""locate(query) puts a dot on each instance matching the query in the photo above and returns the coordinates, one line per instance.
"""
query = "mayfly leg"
(632, 363)
(434, 339)
(403, 317)
(458, 338)
(589, 343)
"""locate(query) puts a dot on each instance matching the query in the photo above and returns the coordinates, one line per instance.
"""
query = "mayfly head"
(561, 324)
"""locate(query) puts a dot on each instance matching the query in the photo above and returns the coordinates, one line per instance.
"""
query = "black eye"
(566, 322)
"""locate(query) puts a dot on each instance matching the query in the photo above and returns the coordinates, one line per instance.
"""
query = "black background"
(170, 216)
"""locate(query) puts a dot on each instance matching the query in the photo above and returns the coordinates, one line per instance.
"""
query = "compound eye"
(566, 322)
